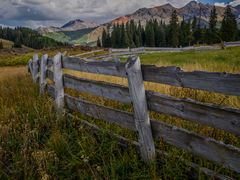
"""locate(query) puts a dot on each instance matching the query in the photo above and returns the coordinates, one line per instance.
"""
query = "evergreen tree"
(114, 37)
(196, 30)
(108, 42)
(229, 26)
(212, 32)
(1, 45)
(104, 38)
(185, 33)
(99, 43)
(150, 37)
(18, 40)
(174, 32)
(162, 37)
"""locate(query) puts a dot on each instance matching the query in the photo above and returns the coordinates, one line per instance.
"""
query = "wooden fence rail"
(224, 118)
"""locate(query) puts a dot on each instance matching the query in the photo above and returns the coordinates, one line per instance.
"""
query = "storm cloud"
(55, 12)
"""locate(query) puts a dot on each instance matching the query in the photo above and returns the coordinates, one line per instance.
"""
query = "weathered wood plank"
(141, 115)
(106, 90)
(30, 67)
(51, 90)
(227, 119)
(35, 66)
(99, 112)
(100, 67)
(210, 149)
(58, 80)
(226, 155)
(43, 69)
(87, 53)
(174, 76)
(50, 62)
(214, 82)
(50, 74)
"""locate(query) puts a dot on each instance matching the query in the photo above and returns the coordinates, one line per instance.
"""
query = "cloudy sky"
(35, 13)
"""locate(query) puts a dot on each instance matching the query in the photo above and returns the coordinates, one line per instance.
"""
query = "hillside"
(160, 13)
(163, 13)
(6, 43)
(70, 26)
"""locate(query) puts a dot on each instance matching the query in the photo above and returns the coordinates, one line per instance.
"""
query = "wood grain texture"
(35, 68)
(225, 155)
(50, 75)
(98, 88)
(58, 80)
(30, 67)
(43, 73)
(51, 91)
(120, 118)
(213, 82)
(99, 67)
(50, 62)
(225, 83)
(227, 119)
(141, 115)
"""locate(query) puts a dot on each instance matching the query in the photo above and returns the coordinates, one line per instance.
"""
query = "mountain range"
(86, 32)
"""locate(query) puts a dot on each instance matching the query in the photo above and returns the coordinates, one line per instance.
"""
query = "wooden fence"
(224, 118)
(164, 49)
(232, 44)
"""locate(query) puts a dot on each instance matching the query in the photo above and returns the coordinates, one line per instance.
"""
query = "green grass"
(220, 60)
(34, 145)
(59, 36)
(14, 60)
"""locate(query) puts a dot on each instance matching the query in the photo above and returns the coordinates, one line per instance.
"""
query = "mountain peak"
(78, 24)
(192, 4)
(166, 6)
(72, 22)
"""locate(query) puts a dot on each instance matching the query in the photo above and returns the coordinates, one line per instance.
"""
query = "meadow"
(35, 145)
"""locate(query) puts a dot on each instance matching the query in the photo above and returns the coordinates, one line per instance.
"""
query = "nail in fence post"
(35, 68)
(141, 115)
(58, 80)
(43, 69)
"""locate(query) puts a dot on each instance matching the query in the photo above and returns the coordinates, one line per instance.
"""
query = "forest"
(27, 37)
(175, 34)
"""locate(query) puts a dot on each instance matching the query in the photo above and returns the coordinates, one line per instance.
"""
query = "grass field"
(35, 145)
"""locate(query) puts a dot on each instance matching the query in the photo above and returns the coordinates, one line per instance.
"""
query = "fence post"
(43, 69)
(58, 80)
(35, 68)
(141, 115)
(30, 67)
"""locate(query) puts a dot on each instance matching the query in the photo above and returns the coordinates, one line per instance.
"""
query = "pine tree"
(229, 26)
(104, 37)
(212, 32)
(114, 37)
(162, 38)
(174, 33)
(99, 43)
(1, 45)
(108, 42)
(150, 37)
(196, 30)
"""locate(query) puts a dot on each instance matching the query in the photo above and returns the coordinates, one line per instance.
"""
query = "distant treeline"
(28, 37)
(185, 33)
